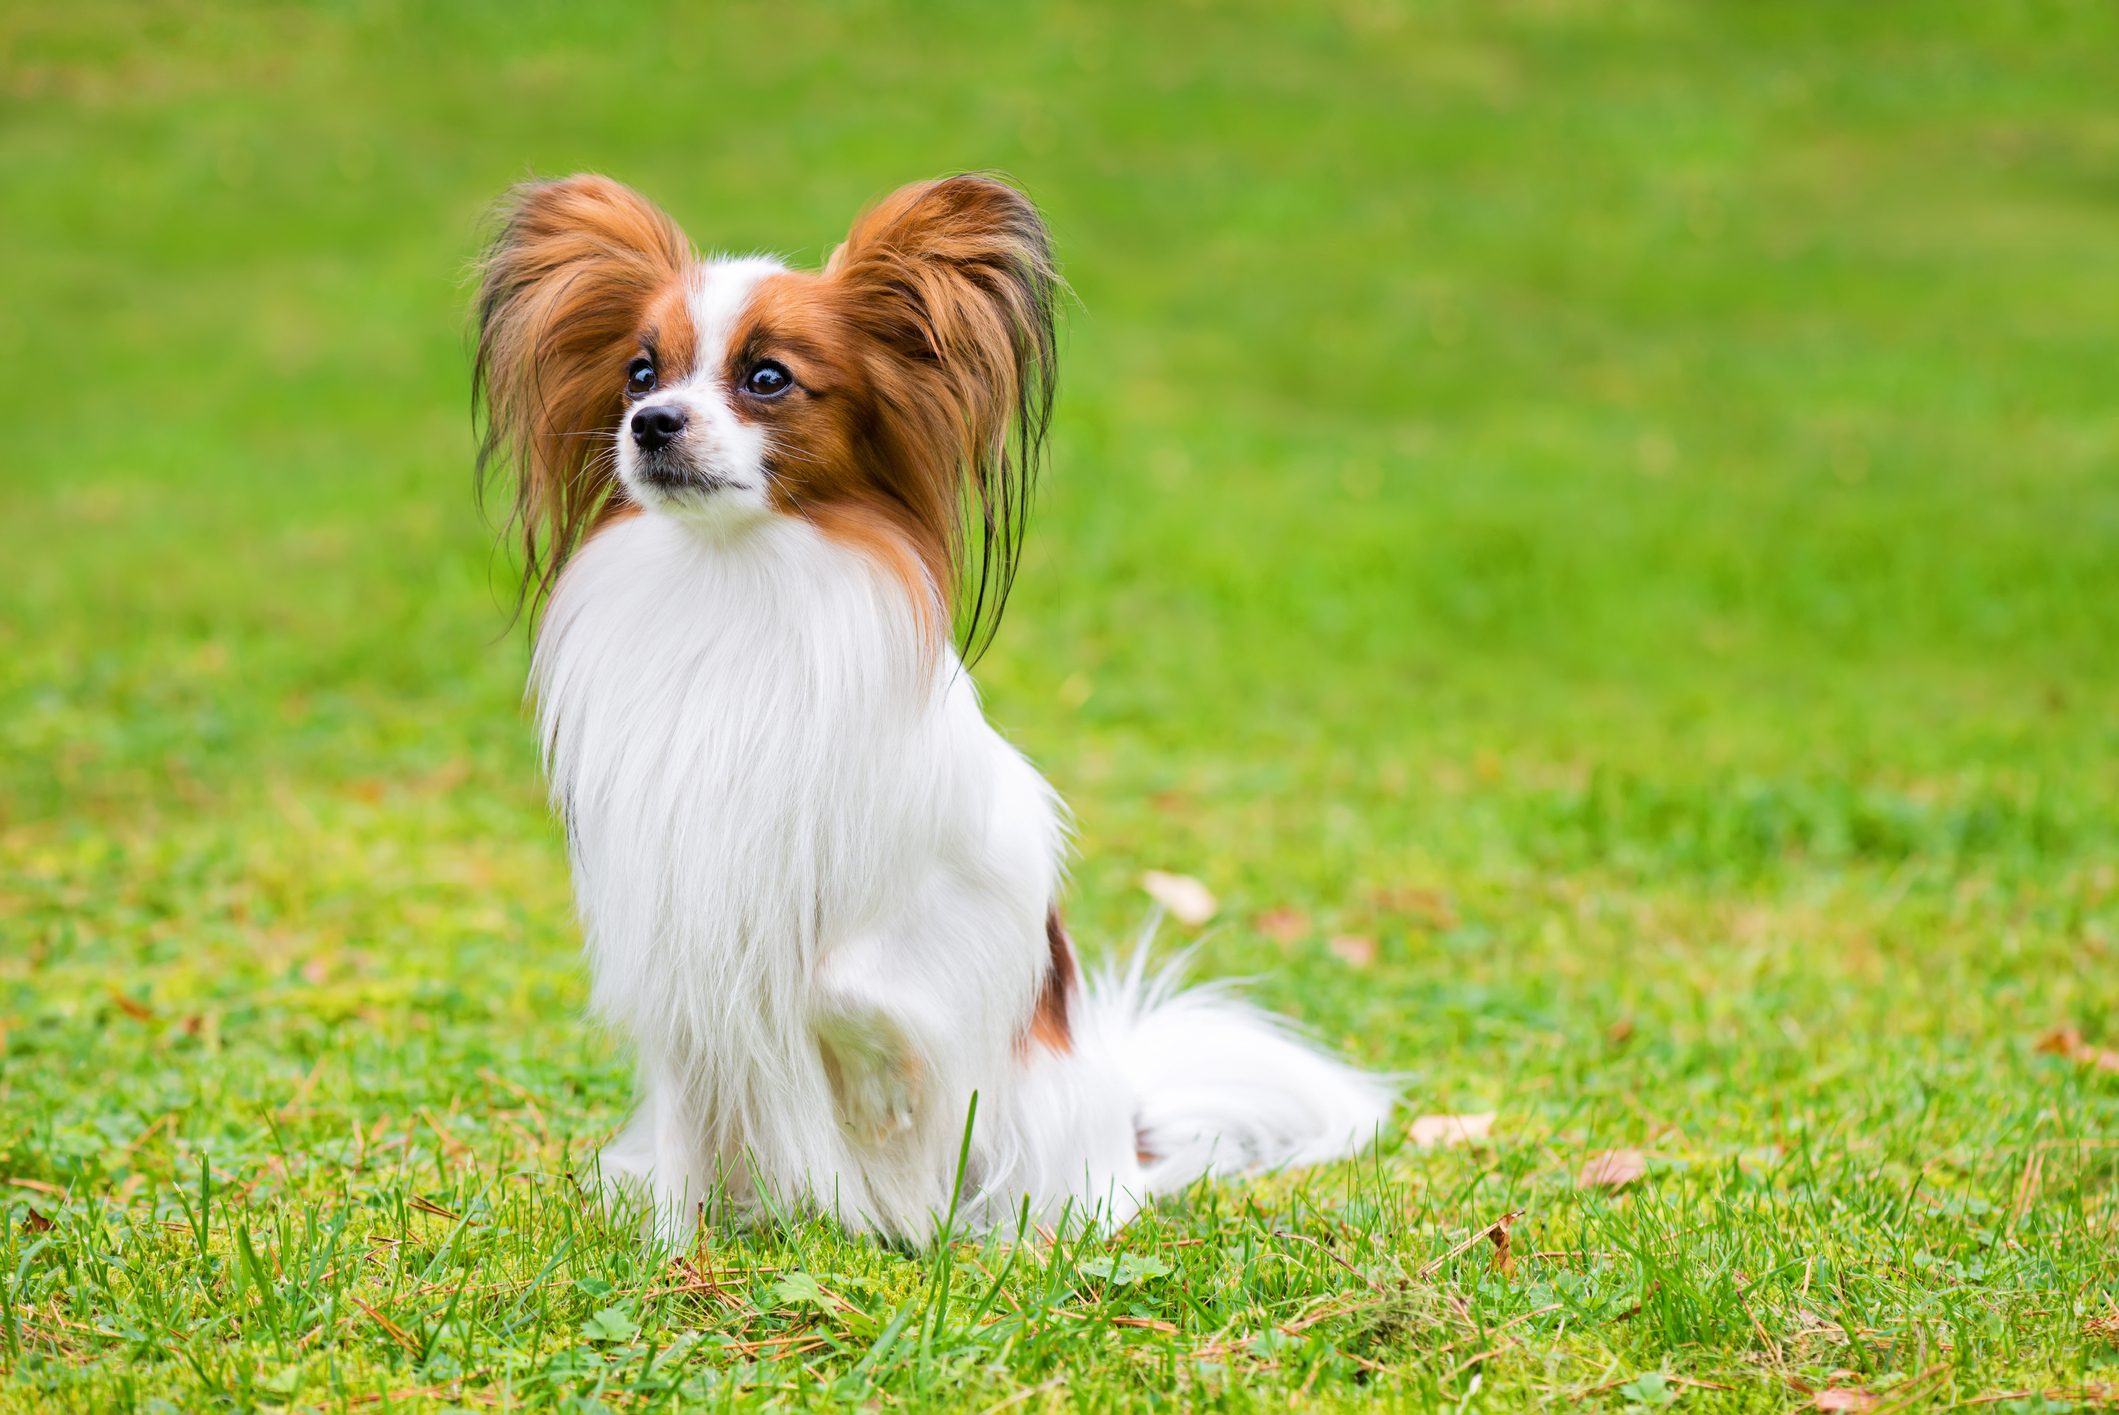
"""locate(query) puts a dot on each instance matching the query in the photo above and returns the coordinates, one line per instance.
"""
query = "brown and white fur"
(820, 892)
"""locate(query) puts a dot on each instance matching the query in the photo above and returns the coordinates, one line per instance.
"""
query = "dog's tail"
(1219, 1086)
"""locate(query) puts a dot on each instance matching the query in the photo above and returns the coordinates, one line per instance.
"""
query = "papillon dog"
(761, 509)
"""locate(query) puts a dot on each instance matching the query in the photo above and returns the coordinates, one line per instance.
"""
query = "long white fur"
(814, 883)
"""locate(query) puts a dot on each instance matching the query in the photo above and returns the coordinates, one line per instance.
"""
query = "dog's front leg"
(912, 1020)
(655, 1160)
(876, 1056)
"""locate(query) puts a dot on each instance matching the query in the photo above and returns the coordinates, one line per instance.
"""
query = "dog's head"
(896, 400)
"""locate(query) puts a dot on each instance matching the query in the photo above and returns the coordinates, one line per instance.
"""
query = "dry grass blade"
(397, 1333)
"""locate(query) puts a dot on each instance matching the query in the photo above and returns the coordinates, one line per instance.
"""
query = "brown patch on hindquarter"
(1049, 1025)
(1050, 1020)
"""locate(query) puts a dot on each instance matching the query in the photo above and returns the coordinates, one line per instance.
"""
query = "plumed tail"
(1220, 1086)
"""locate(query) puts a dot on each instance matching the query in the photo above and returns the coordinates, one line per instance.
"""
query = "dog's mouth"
(675, 475)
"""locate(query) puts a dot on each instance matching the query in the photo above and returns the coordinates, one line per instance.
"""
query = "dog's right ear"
(568, 289)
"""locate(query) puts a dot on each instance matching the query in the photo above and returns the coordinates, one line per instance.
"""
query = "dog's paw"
(637, 1180)
(876, 1074)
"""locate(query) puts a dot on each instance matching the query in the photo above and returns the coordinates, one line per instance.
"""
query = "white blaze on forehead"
(716, 442)
(721, 291)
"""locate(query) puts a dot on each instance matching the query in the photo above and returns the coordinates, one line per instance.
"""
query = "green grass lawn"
(1593, 528)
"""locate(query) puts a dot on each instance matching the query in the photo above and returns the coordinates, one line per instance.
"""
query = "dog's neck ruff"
(746, 741)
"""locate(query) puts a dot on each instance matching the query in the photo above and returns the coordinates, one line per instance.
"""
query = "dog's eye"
(768, 380)
(639, 378)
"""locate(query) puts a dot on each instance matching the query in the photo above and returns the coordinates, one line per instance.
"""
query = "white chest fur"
(773, 798)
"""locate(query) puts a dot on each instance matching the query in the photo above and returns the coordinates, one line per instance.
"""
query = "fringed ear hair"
(956, 278)
(564, 290)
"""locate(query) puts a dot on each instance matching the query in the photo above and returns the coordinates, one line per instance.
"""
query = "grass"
(1607, 512)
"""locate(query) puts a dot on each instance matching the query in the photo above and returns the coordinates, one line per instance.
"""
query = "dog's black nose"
(654, 427)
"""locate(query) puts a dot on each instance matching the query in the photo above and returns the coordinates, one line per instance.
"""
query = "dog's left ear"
(955, 279)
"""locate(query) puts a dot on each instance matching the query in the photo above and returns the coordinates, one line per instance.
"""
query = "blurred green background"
(1592, 527)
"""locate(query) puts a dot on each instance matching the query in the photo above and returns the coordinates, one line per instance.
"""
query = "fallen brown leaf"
(1189, 902)
(131, 1006)
(34, 1222)
(1620, 1032)
(1357, 950)
(1430, 906)
(2068, 1042)
(1500, 1225)
(1437, 1131)
(446, 777)
(1498, 1235)
(1284, 926)
(1612, 1169)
